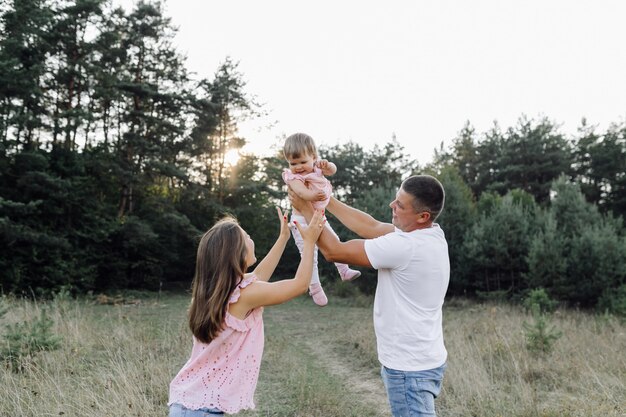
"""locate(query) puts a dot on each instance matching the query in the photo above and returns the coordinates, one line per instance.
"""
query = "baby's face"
(302, 165)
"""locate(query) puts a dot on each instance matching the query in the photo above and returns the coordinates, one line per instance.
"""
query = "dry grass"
(117, 360)
(492, 373)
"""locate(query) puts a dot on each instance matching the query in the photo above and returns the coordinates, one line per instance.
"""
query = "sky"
(365, 71)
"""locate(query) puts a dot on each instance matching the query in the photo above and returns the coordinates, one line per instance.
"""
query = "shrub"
(547, 255)
(596, 261)
(540, 335)
(539, 298)
(495, 248)
(614, 301)
(26, 339)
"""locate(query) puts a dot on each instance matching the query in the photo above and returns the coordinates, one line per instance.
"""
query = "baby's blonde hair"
(299, 144)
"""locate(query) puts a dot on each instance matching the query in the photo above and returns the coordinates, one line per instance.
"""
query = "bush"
(457, 217)
(614, 301)
(540, 336)
(495, 248)
(596, 261)
(375, 202)
(547, 256)
(26, 339)
(539, 298)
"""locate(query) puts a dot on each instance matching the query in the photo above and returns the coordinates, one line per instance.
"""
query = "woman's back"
(223, 374)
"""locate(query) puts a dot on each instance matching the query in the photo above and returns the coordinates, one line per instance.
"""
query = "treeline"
(113, 162)
(529, 208)
(112, 158)
(526, 208)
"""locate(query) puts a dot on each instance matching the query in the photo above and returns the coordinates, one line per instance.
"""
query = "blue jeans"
(177, 410)
(413, 393)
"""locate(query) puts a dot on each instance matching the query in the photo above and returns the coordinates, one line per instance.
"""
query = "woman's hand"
(314, 229)
(284, 223)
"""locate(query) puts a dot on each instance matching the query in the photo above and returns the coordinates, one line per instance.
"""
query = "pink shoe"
(349, 274)
(319, 298)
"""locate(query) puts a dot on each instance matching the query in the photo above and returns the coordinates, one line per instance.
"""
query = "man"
(411, 256)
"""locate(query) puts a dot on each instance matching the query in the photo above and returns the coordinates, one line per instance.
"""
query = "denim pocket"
(412, 393)
(423, 392)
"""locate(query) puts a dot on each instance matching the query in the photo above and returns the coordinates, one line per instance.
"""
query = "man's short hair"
(428, 194)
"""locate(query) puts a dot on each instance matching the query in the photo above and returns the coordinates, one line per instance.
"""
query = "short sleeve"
(243, 284)
(289, 176)
(390, 251)
(249, 322)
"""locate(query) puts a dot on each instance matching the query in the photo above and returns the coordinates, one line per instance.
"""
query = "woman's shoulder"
(252, 317)
(247, 280)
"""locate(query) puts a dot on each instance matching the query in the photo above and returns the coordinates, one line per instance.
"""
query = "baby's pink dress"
(223, 374)
(314, 181)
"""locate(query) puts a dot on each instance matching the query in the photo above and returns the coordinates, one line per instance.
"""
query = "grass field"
(117, 360)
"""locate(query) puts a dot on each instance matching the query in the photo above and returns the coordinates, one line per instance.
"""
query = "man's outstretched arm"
(351, 252)
(358, 221)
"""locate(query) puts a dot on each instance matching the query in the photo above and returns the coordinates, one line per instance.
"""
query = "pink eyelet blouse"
(223, 374)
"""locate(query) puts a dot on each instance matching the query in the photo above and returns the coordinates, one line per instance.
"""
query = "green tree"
(596, 262)
(375, 202)
(230, 105)
(490, 149)
(106, 69)
(579, 253)
(601, 167)
(533, 155)
(569, 208)
(349, 181)
(23, 51)
(547, 256)
(360, 170)
(463, 155)
(458, 217)
(387, 164)
(69, 85)
(36, 236)
(495, 248)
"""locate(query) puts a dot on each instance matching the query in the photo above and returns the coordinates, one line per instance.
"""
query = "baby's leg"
(297, 237)
(315, 288)
(344, 270)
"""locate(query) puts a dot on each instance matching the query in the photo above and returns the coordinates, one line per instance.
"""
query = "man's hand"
(296, 202)
(320, 196)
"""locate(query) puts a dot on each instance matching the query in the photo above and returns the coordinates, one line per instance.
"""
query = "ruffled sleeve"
(247, 323)
(289, 176)
(234, 297)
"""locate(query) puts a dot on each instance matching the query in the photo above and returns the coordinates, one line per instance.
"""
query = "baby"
(306, 177)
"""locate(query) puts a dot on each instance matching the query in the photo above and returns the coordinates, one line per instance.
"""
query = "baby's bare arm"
(327, 167)
(304, 193)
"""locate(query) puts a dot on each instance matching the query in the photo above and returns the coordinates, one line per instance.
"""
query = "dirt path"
(369, 389)
(362, 381)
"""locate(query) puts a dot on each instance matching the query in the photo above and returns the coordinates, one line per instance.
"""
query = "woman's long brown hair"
(220, 265)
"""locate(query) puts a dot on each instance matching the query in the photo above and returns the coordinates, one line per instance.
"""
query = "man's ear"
(423, 217)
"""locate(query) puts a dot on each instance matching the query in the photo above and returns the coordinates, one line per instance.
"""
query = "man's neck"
(418, 226)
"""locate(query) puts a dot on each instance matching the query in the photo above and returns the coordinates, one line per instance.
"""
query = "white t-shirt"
(413, 275)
